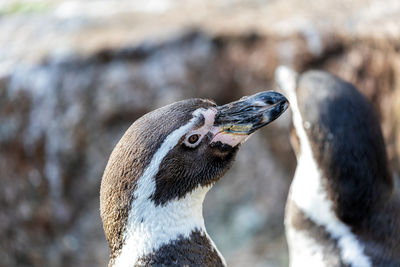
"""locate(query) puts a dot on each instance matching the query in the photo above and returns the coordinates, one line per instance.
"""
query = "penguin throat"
(308, 193)
(149, 226)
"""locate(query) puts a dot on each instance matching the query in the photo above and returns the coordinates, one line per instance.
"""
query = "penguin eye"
(193, 138)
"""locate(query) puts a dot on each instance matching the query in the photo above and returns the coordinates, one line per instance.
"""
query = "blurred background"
(75, 74)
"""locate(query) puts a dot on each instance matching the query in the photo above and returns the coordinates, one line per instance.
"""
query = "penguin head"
(338, 126)
(338, 121)
(174, 150)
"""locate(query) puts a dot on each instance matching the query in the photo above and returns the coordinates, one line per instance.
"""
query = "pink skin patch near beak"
(228, 138)
(218, 133)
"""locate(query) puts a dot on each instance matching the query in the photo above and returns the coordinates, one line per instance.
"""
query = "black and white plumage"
(342, 208)
(156, 179)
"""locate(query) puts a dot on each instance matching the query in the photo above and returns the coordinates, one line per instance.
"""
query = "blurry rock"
(73, 77)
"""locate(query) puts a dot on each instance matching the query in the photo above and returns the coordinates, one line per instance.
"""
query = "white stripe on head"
(209, 117)
(307, 190)
(150, 226)
(146, 183)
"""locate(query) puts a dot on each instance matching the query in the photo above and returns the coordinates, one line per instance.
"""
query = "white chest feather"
(303, 249)
(309, 195)
(149, 226)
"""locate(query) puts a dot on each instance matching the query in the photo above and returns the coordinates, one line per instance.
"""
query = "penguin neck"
(307, 189)
(309, 194)
(151, 226)
(348, 164)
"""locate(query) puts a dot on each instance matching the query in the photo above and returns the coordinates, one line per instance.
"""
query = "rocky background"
(75, 74)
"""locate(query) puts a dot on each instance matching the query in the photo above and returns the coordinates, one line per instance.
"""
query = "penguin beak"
(237, 120)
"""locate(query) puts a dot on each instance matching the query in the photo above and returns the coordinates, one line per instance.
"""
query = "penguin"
(157, 176)
(342, 208)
